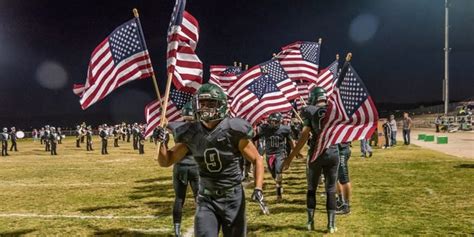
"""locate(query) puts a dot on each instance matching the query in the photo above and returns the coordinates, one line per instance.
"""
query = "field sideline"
(404, 190)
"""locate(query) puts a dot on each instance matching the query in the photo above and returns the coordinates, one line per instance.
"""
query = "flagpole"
(153, 77)
(297, 115)
(155, 84)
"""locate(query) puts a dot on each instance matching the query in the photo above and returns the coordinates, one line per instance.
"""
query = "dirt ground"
(460, 144)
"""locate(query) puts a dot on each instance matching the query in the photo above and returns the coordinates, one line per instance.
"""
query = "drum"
(20, 134)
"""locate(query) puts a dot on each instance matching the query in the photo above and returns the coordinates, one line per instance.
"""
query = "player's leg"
(279, 174)
(206, 222)
(313, 174)
(331, 165)
(343, 185)
(274, 165)
(238, 227)
(180, 184)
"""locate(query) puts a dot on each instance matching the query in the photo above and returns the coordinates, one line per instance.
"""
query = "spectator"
(393, 125)
(365, 148)
(438, 122)
(407, 122)
(387, 132)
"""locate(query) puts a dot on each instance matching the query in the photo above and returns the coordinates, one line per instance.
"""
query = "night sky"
(397, 48)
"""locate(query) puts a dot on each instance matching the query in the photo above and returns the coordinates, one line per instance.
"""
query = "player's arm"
(250, 152)
(290, 140)
(167, 157)
(299, 145)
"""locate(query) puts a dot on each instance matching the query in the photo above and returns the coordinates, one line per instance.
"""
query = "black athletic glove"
(162, 135)
(257, 196)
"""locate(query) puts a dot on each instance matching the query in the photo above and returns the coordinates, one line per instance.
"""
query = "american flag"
(224, 76)
(301, 60)
(258, 98)
(326, 78)
(121, 58)
(173, 113)
(182, 61)
(351, 113)
(274, 71)
(303, 91)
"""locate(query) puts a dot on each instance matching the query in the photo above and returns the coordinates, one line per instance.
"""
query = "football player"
(276, 136)
(217, 144)
(327, 163)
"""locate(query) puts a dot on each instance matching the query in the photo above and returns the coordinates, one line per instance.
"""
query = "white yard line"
(6, 183)
(53, 216)
(17, 184)
(150, 230)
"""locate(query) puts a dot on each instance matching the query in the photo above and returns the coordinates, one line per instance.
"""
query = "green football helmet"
(210, 103)
(275, 119)
(316, 95)
(187, 111)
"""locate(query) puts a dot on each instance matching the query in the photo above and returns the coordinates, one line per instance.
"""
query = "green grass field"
(400, 191)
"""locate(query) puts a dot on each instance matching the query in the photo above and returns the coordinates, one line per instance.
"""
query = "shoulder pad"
(240, 127)
(309, 111)
(285, 129)
(173, 125)
(181, 131)
(263, 127)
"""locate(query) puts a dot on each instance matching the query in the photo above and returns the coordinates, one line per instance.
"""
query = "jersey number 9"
(213, 160)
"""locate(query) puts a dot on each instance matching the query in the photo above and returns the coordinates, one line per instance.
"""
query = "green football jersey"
(275, 138)
(313, 117)
(216, 151)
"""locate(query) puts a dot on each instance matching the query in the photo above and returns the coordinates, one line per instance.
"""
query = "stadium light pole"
(446, 57)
